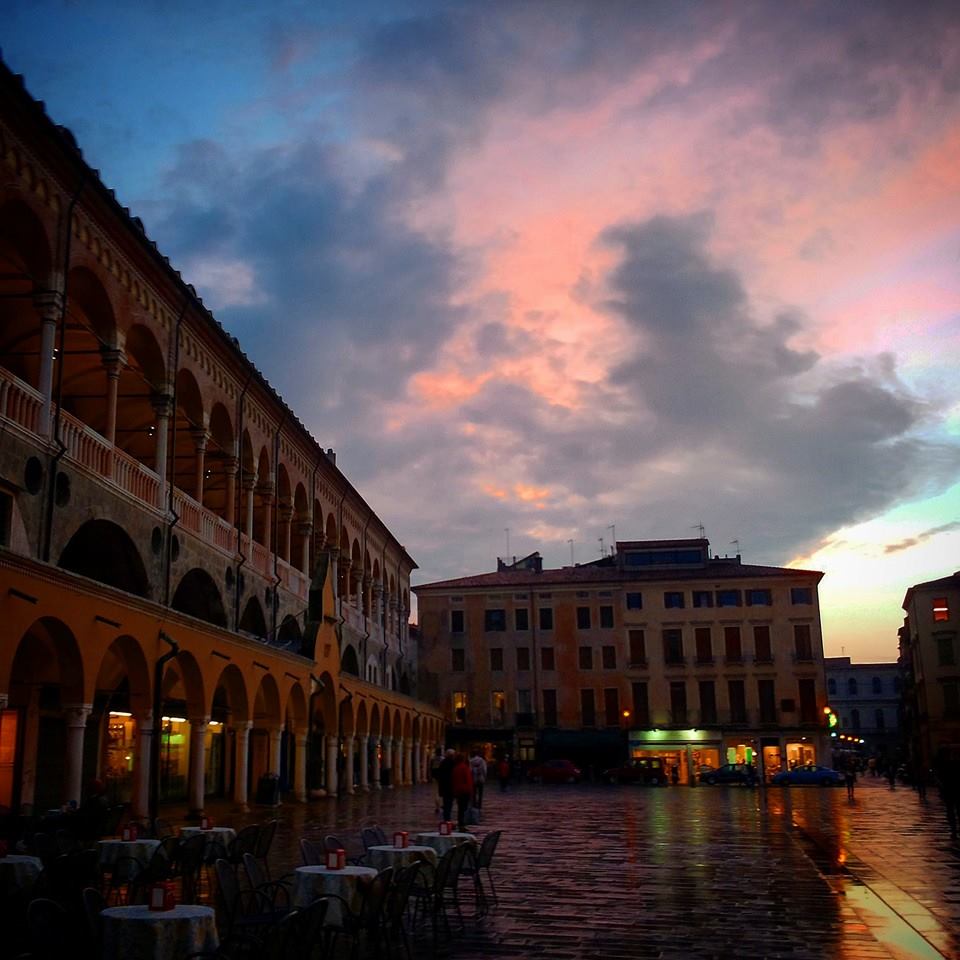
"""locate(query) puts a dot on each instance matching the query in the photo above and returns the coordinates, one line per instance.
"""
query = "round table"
(149, 934)
(112, 850)
(387, 855)
(18, 872)
(314, 882)
(218, 839)
(443, 842)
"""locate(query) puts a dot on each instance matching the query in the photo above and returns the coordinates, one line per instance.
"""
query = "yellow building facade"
(194, 600)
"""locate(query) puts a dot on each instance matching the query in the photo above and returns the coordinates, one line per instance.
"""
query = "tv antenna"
(613, 536)
(572, 562)
(736, 543)
(699, 527)
(600, 541)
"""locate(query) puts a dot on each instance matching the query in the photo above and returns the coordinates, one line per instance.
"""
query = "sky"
(549, 273)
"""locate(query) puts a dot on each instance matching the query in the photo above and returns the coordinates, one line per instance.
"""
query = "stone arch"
(348, 661)
(266, 703)
(103, 551)
(375, 720)
(290, 636)
(219, 462)
(347, 726)
(296, 707)
(198, 595)
(325, 704)
(371, 671)
(142, 377)
(90, 304)
(189, 428)
(124, 660)
(330, 531)
(397, 725)
(236, 697)
(363, 727)
(253, 620)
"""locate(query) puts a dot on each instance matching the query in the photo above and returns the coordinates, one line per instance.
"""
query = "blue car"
(809, 775)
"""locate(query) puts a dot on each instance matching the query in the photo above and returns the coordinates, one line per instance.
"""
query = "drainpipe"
(154, 801)
(62, 447)
(240, 553)
(173, 516)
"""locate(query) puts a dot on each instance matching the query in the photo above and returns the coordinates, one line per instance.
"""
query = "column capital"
(304, 528)
(230, 465)
(77, 714)
(249, 482)
(162, 404)
(114, 360)
(267, 491)
(49, 304)
(285, 511)
(200, 438)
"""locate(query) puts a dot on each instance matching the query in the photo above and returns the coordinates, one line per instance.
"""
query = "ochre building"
(194, 600)
(656, 650)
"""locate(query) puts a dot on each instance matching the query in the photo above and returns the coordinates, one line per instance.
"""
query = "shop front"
(683, 752)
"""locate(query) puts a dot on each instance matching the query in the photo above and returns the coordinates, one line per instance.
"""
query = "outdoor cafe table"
(314, 882)
(387, 855)
(218, 838)
(444, 842)
(112, 850)
(18, 872)
(145, 934)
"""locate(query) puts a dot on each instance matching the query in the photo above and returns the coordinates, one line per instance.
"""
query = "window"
(494, 621)
(546, 658)
(808, 701)
(701, 636)
(759, 598)
(611, 707)
(588, 710)
(678, 701)
(583, 618)
(641, 704)
(728, 598)
(831, 685)
(673, 599)
(458, 661)
(496, 658)
(638, 648)
(549, 708)
(673, 646)
(801, 595)
(708, 702)
(852, 686)
(951, 699)
(456, 621)
(521, 618)
(634, 601)
(459, 706)
(606, 617)
(802, 647)
(498, 707)
(586, 658)
(546, 618)
(702, 598)
(583, 594)
(731, 645)
(879, 720)
(945, 656)
(738, 701)
(520, 596)
(767, 694)
(941, 610)
(524, 702)
(523, 658)
(877, 685)
(761, 644)
(545, 596)
(609, 655)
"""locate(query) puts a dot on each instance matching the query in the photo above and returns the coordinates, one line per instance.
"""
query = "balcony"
(803, 656)
(763, 659)
(640, 664)
(527, 719)
(674, 661)
(705, 660)
(733, 659)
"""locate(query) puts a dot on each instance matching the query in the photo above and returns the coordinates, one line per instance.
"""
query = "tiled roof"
(716, 570)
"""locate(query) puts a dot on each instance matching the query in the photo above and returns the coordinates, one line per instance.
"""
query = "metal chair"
(244, 913)
(395, 909)
(190, 857)
(481, 861)
(373, 837)
(278, 892)
(93, 905)
(50, 933)
(312, 853)
(354, 856)
(264, 841)
(365, 923)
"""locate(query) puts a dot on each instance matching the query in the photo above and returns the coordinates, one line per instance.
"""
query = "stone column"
(300, 768)
(285, 515)
(388, 759)
(76, 716)
(249, 487)
(141, 772)
(31, 746)
(266, 495)
(345, 564)
(349, 742)
(240, 762)
(375, 604)
(408, 762)
(365, 600)
(113, 363)
(335, 571)
(305, 529)
(417, 762)
(162, 404)
(273, 761)
(376, 764)
(230, 465)
(364, 742)
(200, 440)
(49, 305)
(332, 756)
(198, 756)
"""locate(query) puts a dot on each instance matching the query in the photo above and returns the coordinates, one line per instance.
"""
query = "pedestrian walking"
(445, 782)
(478, 768)
(850, 777)
(503, 772)
(435, 764)
(462, 781)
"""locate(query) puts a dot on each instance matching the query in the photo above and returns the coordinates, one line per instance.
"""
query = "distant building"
(929, 662)
(657, 649)
(866, 699)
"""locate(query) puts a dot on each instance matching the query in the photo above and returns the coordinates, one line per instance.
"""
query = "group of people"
(461, 778)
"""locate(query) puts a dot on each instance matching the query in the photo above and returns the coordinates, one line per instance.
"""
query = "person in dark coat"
(445, 782)
(462, 780)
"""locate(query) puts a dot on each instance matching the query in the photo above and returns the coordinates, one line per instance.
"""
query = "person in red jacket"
(462, 787)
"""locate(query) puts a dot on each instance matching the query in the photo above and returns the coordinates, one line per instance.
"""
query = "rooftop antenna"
(506, 530)
(600, 540)
(572, 562)
(613, 536)
(736, 543)
(699, 527)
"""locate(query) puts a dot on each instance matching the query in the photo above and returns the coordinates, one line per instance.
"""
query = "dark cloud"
(909, 542)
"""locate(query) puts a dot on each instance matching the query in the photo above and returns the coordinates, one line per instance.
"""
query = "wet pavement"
(599, 872)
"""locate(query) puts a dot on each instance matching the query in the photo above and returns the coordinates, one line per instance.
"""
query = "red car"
(555, 771)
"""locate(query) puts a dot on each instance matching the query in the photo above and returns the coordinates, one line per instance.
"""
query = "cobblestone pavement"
(624, 872)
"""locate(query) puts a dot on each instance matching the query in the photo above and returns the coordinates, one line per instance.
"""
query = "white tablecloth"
(18, 872)
(112, 850)
(139, 933)
(442, 843)
(382, 856)
(314, 882)
(218, 838)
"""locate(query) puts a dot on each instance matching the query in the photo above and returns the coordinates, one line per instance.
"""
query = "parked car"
(729, 773)
(555, 771)
(810, 775)
(638, 770)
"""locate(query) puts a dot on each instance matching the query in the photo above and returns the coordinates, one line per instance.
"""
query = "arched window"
(877, 685)
(855, 719)
(831, 685)
(852, 686)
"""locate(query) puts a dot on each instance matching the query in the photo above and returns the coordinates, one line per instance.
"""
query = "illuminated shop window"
(941, 610)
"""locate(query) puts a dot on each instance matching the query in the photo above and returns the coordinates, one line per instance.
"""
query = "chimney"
(331, 456)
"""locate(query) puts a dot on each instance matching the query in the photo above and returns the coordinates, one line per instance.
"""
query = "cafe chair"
(299, 933)
(50, 933)
(312, 853)
(188, 864)
(162, 829)
(366, 924)
(395, 908)
(244, 842)
(278, 892)
(354, 856)
(373, 837)
(438, 890)
(157, 869)
(244, 913)
(481, 861)
(93, 906)
(264, 841)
